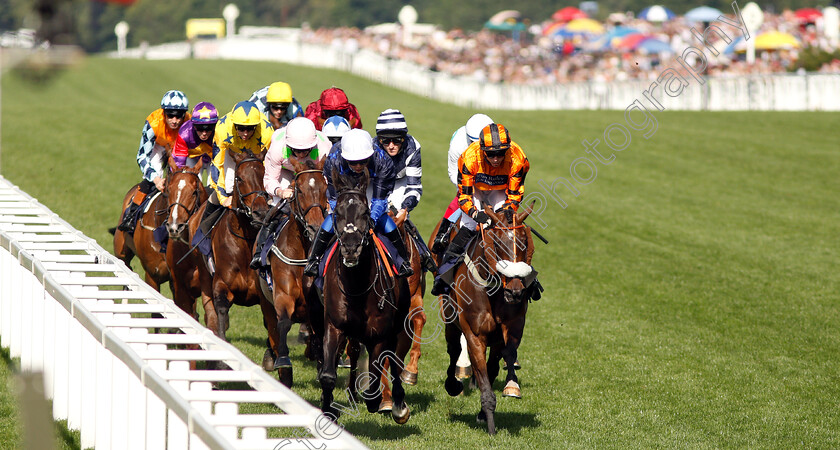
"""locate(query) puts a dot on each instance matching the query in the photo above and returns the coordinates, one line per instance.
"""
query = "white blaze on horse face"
(181, 185)
(312, 182)
(350, 228)
(510, 269)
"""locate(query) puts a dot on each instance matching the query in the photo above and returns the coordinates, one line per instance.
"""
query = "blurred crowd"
(534, 58)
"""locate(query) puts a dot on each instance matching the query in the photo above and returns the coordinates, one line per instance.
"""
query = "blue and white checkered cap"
(391, 121)
(175, 100)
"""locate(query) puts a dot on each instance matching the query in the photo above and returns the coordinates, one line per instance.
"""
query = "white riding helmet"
(300, 133)
(475, 124)
(356, 145)
(335, 126)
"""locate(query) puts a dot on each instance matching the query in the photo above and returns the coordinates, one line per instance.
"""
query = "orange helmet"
(494, 137)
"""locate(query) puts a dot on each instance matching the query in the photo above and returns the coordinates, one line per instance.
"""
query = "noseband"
(244, 208)
(341, 233)
(300, 213)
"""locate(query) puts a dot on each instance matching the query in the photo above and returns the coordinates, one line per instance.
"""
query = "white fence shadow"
(71, 310)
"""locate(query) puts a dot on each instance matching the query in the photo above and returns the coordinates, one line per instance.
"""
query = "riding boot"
(322, 239)
(453, 253)
(130, 213)
(426, 259)
(441, 240)
(396, 239)
(206, 222)
(262, 236)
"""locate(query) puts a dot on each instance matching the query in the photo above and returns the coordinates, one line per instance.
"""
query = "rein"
(300, 213)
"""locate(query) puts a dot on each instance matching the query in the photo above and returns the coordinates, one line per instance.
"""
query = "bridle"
(244, 208)
(300, 213)
(339, 234)
(492, 253)
(195, 193)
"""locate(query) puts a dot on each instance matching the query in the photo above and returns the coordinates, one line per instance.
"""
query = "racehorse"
(142, 242)
(412, 330)
(185, 193)
(232, 240)
(491, 293)
(363, 300)
(292, 291)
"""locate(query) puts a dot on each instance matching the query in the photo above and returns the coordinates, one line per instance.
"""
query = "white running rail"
(121, 385)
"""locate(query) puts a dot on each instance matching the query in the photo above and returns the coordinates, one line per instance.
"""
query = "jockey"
(242, 129)
(275, 101)
(491, 172)
(404, 150)
(295, 143)
(351, 156)
(156, 141)
(195, 138)
(335, 127)
(333, 102)
(461, 139)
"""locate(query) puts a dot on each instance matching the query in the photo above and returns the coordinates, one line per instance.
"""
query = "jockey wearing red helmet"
(333, 102)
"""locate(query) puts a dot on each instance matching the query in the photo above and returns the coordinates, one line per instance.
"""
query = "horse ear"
(172, 164)
(197, 167)
(337, 179)
(496, 217)
(261, 155)
(298, 166)
(522, 215)
(363, 180)
(320, 163)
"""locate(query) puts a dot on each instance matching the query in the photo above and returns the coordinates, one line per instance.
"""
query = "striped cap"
(494, 137)
(391, 122)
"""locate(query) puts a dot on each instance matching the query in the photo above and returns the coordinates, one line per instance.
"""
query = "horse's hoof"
(283, 362)
(481, 417)
(462, 373)
(453, 386)
(516, 365)
(512, 390)
(268, 360)
(401, 415)
(387, 406)
(409, 378)
(285, 376)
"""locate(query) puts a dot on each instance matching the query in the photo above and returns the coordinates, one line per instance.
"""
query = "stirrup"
(311, 268)
(439, 287)
(405, 270)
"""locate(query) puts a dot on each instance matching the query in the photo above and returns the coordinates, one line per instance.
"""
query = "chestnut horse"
(362, 301)
(232, 240)
(291, 290)
(185, 193)
(142, 242)
(491, 295)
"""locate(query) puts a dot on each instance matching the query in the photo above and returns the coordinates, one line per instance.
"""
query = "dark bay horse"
(142, 242)
(362, 301)
(490, 291)
(292, 291)
(232, 240)
(185, 193)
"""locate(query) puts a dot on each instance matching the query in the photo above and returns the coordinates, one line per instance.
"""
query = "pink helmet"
(300, 133)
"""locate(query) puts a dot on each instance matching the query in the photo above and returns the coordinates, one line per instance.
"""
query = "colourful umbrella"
(703, 14)
(775, 40)
(567, 14)
(631, 41)
(585, 26)
(552, 29)
(808, 15)
(653, 45)
(656, 13)
(508, 15)
(612, 38)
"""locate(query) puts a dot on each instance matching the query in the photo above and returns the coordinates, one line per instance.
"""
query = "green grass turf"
(691, 287)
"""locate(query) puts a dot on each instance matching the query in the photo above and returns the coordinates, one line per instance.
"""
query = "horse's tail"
(112, 230)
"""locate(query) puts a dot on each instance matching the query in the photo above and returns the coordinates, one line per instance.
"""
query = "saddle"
(385, 251)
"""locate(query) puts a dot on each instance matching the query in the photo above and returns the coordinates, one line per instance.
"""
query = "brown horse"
(362, 301)
(185, 194)
(292, 291)
(411, 335)
(142, 243)
(232, 240)
(491, 293)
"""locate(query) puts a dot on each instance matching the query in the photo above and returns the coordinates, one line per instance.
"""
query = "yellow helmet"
(245, 113)
(279, 92)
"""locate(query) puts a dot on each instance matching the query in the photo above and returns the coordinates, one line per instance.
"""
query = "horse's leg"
(453, 385)
(354, 349)
(283, 307)
(327, 374)
(387, 403)
(400, 411)
(270, 323)
(221, 301)
(373, 395)
(493, 362)
(418, 321)
(512, 332)
(477, 346)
